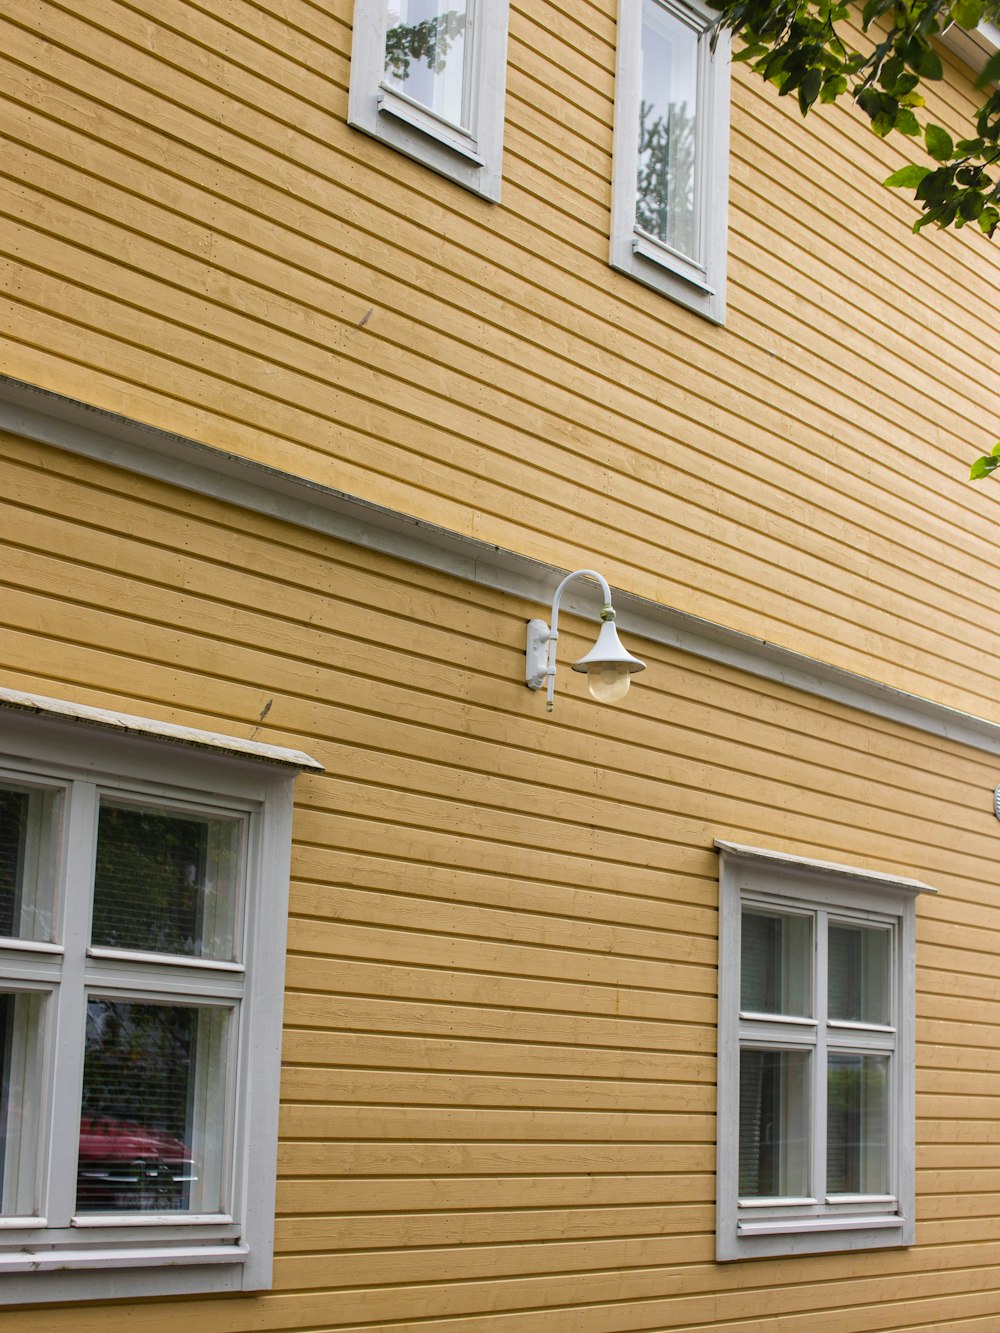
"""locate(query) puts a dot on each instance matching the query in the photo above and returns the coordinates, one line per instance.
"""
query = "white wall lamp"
(609, 665)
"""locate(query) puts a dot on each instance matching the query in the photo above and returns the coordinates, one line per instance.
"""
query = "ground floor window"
(816, 1006)
(143, 894)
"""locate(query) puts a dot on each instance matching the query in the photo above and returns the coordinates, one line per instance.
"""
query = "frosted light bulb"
(608, 681)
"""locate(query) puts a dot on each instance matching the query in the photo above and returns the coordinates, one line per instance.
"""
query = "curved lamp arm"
(608, 665)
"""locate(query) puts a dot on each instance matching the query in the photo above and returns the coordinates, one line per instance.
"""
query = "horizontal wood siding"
(191, 235)
(499, 1064)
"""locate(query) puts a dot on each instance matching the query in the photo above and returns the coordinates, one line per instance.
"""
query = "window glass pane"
(166, 882)
(776, 964)
(665, 189)
(152, 1126)
(859, 971)
(20, 1095)
(27, 850)
(425, 54)
(774, 1124)
(857, 1150)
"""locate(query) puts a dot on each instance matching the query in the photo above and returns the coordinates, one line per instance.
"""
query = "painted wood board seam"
(50, 418)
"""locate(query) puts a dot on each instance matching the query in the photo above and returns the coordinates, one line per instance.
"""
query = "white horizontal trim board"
(63, 711)
(764, 857)
(50, 418)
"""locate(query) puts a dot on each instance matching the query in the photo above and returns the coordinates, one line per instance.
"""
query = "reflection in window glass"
(425, 54)
(27, 833)
(153, 1111)
(665, 189)
(776, 964)
(774, 1124)
(857, 1149)
(859, 974)
(166, 882)
(20, 1093)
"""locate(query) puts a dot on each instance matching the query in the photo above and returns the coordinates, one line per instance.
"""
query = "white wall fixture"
(609, 666)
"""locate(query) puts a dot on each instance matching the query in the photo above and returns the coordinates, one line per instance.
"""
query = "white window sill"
(794, 1226)
(48, 1261)
(443, 132)
(657, 252)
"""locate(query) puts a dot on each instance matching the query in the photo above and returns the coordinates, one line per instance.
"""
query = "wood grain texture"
(498, 1098)
(190, 234)
(498, 1095)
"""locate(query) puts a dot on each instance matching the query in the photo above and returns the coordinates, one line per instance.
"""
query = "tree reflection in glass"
(665, 184)
(425, 55)
(166, 882)
(857, 1149)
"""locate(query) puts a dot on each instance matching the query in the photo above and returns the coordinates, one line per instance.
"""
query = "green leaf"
(907, 178)
(935, 185)
(968, 13)
(990, 72)
(907, 123)
(833, 88)
(982, 467)
(926, 62)
(809, 89)
(891, 71)
(970, 147)
(939, 143)
(751, 52)
(989, 219)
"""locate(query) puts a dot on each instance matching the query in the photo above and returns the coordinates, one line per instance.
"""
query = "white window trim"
(803, 1226)
(51, 740)
(973, 45)
(470, 156)
(700, 286)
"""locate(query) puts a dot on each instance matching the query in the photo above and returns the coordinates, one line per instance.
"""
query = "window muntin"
(670, 187)
(816, 997)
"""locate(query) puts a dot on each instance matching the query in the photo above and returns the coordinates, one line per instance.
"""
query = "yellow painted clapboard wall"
(499, 1058)
(191, 235)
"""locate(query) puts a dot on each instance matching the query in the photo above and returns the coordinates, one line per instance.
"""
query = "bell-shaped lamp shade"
(609, 666)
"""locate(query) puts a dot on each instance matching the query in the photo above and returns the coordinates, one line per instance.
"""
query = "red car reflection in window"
(128, 1167)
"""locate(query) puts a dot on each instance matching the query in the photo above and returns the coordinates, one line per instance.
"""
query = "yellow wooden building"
(342, 986)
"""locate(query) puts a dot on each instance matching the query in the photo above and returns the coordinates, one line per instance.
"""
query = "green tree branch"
(795, 45)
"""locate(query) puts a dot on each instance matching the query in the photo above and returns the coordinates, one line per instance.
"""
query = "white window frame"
(88, 753)
(471, 155)
(699, 282)
(817, 1223)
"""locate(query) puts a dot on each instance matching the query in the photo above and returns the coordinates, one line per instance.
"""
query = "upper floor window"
(816, 1000)
(428, 78)
(671, 168)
